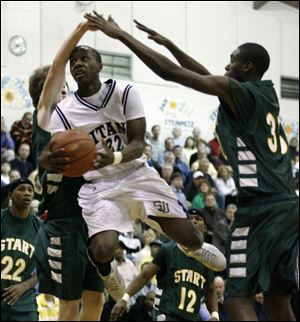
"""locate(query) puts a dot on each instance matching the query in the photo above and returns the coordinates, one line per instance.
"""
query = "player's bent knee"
(103, 249)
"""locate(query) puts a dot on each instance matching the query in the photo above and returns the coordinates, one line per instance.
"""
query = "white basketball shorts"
(113, 202)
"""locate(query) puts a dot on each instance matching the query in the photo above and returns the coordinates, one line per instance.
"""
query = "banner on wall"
(14, 93)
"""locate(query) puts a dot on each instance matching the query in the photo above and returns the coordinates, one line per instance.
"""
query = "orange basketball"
(80, 148)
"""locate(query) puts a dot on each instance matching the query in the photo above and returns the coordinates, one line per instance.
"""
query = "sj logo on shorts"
(161, 206)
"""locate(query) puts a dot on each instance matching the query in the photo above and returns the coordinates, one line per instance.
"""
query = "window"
(116, 65)
(289, 87)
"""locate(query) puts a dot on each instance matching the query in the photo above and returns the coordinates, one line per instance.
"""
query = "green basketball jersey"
(181, 283)
(17, 255)
(256, 146)
(60, 193)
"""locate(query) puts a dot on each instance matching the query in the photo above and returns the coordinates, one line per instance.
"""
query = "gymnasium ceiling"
(259, 4)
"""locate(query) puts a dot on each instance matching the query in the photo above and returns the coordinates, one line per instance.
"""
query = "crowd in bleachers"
(195, 169)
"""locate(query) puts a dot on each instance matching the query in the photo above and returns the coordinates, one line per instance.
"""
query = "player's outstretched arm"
(161, 65)
(135, 285)
(184, 60)
(56, 75)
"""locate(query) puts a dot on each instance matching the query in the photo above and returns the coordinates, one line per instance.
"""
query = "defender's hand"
(118, 310)
(109, 26)
(152, 34)
(56, 161)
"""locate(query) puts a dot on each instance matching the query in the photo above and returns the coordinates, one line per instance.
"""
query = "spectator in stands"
(155, 246)
(216, 152)
(156, 142)
(197, 135)
(180, 164)
(34, 207)
(142, 309)
(14, 174)
(48, 306)
(222, 228)
(21, 163)
(125, 266)
(176, 186)
(188, 149)
(177, 136)
(7, 143)
(21, 131)
(148, 237)
(166, 172)
(38, 189)
(169, 145)
(212, 214)
(220, 290)
(198, 201)
(201, 155)
(151, 162)
(295, 171)
(225, 184)
(294, 148)
(193, 187)
(5, 169)
(208, 170)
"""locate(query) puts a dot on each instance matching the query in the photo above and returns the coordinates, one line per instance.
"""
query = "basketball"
(80, 148)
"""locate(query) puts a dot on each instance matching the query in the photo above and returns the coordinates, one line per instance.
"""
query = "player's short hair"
(36, 83)
(257, 54)
(89, 49)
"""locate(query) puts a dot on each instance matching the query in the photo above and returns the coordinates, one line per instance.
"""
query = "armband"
(118, 156)
(126, 297)
(215, 315)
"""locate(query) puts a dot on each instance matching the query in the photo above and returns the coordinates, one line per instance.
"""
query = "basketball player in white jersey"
(122, 186)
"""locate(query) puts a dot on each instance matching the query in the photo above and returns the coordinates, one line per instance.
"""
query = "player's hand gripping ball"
(80, 149)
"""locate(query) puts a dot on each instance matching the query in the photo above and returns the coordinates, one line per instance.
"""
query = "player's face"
(235, 68)
(199, 223)
(23, 195)
(84, 66)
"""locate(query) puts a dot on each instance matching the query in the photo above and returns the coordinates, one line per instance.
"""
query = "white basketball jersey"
(104, 116)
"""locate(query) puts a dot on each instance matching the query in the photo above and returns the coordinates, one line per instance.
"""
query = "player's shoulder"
(36, 222)
(123, 88)
(67, 101)
(4, 213)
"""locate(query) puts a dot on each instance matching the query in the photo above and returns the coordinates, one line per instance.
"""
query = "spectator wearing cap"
(176, 186)
(19, 228)
(192, 188)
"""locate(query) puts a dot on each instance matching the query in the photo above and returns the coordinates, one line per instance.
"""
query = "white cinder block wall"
(207, 30)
